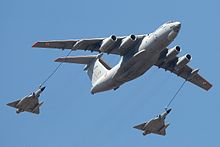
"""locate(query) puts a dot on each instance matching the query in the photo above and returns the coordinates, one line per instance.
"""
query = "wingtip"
(208, 85)
(35, 44)
(57, 60)
(135, 127)
(9, 104)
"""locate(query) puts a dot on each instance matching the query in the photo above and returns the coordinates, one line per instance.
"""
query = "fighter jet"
(29, 103)
(155, 125)
(138, 54)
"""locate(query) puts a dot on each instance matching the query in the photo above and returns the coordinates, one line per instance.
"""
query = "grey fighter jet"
(29, 103)
(138, 54)
(155, 125)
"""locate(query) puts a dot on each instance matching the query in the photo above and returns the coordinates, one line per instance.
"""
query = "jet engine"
(172, 53)
(107, 44)
(127, 43)
(182, 61)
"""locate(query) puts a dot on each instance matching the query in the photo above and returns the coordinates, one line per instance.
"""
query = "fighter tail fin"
(163, 130)
(95, 66)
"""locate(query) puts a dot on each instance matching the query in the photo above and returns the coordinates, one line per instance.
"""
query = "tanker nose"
(177, 26)
(174, 30)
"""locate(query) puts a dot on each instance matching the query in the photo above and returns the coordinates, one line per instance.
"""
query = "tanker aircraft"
(138, 54)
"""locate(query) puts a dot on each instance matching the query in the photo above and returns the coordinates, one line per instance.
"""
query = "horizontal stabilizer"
(95, 66)
(77, 59)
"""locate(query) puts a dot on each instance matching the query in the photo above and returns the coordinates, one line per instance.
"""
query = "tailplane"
(95, 66)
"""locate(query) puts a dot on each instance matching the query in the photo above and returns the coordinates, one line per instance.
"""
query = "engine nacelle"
(127, 43)
(182, 61)
(172, 53)
(108, 43)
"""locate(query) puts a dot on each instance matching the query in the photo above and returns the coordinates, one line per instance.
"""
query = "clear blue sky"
(70, 115)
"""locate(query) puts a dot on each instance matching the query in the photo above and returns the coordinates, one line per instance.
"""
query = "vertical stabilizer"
(96, 70)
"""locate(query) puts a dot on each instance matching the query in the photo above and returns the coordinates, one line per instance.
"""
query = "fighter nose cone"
(168, 111)
(42, 89)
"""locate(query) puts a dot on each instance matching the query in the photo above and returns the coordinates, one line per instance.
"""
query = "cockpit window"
(163, 26)
(171, 21)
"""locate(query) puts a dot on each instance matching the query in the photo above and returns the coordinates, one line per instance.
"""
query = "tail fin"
(95, 66)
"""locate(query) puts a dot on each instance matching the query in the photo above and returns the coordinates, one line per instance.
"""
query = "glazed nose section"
(174, 30)
(177, 26)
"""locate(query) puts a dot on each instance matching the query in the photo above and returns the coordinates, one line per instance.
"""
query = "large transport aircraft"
(138, 54)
